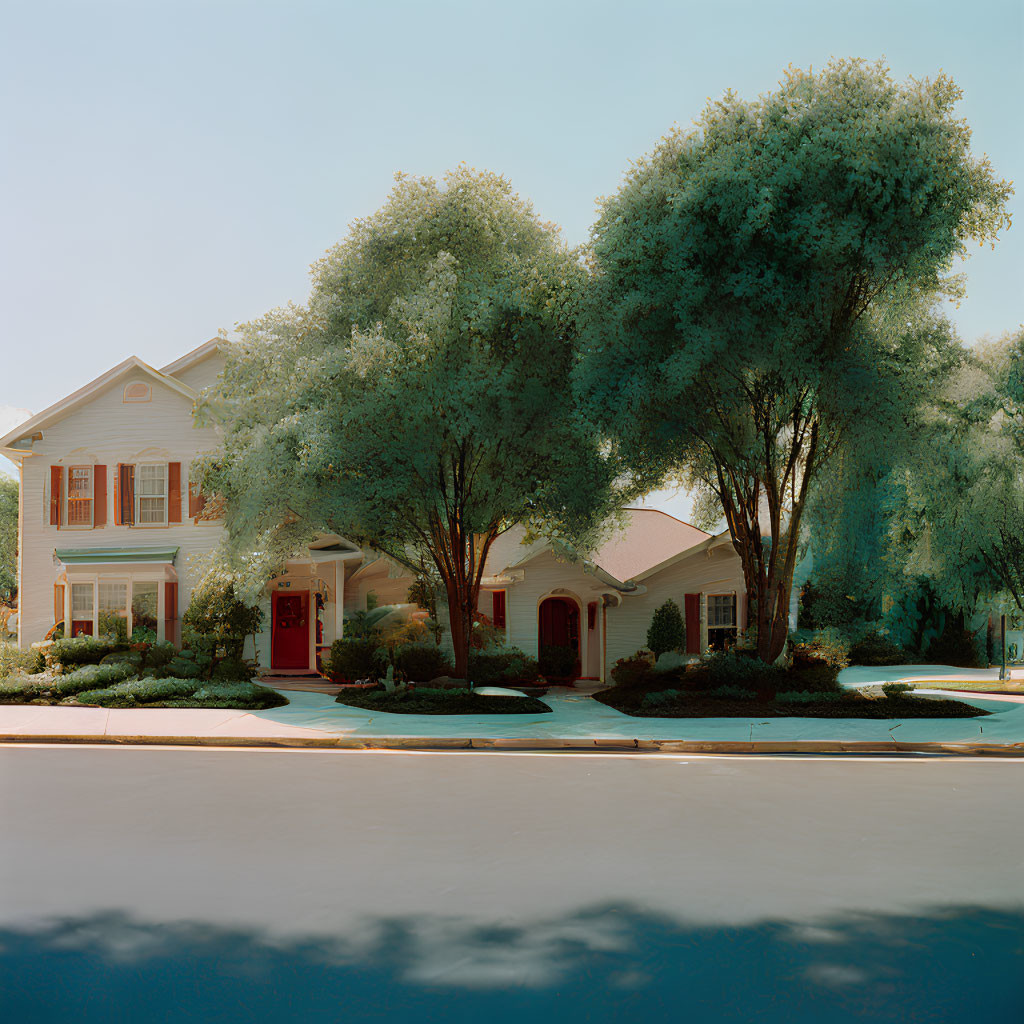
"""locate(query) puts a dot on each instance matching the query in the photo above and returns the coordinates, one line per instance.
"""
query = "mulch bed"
(698, 705)
(450, 702)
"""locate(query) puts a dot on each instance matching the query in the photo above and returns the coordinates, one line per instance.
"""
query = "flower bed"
(423, 700)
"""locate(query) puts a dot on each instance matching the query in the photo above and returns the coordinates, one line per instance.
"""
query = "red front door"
(559, 626)
(289, 631)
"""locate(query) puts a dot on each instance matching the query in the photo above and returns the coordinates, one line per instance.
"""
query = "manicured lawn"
(427, 701)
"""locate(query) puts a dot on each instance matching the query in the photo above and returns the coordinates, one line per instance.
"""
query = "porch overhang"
(116, 556)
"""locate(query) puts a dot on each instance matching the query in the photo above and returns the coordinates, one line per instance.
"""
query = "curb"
(612, 745)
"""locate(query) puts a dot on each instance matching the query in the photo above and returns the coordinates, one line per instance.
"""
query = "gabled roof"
(713, 541)
(197, 355)
(650, 539)
(60, 409)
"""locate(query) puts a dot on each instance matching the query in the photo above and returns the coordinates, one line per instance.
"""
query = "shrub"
(733, 668)
(955, 645)
(659, 698)
(90, 677)
(217, 622)
(732, 693)
(894, 690)
(130, 658)
(557, 662)
(112, 625)
(14, 661)
(81, 650)
(633, 673)
(875, 649)
(233, 669)
(829, 645)
(805, 697)
(184, 665)
(667, 631)
(484, 633)
(422, 662)
(502, 665)
(355, 658)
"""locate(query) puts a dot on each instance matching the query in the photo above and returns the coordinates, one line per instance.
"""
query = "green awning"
(97, 556)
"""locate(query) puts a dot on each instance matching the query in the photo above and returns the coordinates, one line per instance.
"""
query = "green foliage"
(659, 698)
(874, 648)
(112, 625)
(355, 658)
(19, 688)
(763, 292)
(422, 662)
(502, 666)
(894, 690)
(217, 621)
(419, 404)
(90, 677)
(667, 631)
(8, 537)
(14, 661)
(829, 645)
(733, 668)
(232, 669)
(183, 693)
(806, 697)
(80, 650)
(362, 625)
(732, 693)
(485, 634)
(634, 672)
(956, 645)
(557, 662)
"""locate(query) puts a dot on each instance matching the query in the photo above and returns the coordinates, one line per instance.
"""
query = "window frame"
(94, 580)
(720, 630)
(67, 501)
(138, 495)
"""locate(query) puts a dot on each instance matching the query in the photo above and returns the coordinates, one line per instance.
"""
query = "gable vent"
(137, 391)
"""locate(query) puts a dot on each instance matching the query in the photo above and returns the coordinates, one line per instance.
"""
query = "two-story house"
(113, 525)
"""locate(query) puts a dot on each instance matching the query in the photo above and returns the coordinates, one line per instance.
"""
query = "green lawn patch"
(421, 700)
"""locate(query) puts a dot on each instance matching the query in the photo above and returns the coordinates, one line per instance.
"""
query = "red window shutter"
(56, 494)
(124, 495)
(692, 603)
(174, 492)
(99, 496)
(58, 603)
(196, 500)
(171, 612)
(498, 618)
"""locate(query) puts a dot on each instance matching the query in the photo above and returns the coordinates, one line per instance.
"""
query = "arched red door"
(559, 630)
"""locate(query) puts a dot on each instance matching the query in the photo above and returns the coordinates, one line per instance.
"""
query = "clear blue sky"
(173, 168)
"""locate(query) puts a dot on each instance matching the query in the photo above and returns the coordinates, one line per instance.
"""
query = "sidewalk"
(576, 723)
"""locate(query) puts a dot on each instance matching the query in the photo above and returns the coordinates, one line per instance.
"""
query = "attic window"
(137, 391)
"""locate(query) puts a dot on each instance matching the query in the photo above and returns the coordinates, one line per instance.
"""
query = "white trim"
(139, 495)
(197, 355)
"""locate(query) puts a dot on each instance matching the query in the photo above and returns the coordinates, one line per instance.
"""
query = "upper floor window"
(80, 496)
(151, 495)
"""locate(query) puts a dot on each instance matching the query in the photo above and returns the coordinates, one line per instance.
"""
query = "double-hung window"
(82, 609)
(80, 496)
(151, 495)
(721, 621)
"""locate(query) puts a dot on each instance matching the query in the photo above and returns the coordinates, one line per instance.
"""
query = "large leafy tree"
(761, 290)
(420, 403)
(8, 537)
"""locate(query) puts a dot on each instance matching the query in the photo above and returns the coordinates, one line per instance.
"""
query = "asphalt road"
(223, 885)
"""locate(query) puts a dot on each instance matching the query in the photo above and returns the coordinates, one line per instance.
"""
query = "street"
(164, 884)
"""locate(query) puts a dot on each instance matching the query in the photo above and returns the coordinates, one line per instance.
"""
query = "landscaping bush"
(557, 662)
(14, 661)
(501, 666)
(185, 665)
(81, 650)
(732, 693)
(17, 689)
(232, 670)
(112, 625)
(355, 658)
(829, 645)
(660, 697)
(955, 645)
(805, 697)
(90, 677)
(485, 634)
(736, 668)
(876, 649)
(183, 693)
(894, 690)
(422, 662)
(633, 673)
(216, 622)
(667, 631)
